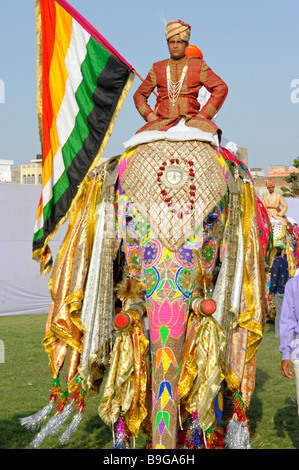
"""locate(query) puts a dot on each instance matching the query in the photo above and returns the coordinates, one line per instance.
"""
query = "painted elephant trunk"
(167, 328)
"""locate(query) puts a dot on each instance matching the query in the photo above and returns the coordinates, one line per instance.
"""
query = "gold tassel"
(129, 288)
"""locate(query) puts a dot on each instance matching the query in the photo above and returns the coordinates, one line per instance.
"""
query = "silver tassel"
(237, 435)
(44, 432)
(34, 421)
(53, 425)
(71, 429)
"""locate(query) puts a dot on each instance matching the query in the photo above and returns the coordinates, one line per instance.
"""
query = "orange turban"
(193, 51)
(178, 27)
(270, 184)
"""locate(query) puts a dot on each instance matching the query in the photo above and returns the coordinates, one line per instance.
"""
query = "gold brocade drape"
(201, 375)
(67, 283)
(248, 335)
(125, 389)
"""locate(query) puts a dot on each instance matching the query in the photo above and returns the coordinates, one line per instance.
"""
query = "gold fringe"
(129, 288)
(253, 319)
(125, 388)
(86, 187)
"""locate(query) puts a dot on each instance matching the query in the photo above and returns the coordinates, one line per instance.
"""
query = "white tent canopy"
(23, 290)
(293, 209)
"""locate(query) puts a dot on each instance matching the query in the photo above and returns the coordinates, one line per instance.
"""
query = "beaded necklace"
(174, 88)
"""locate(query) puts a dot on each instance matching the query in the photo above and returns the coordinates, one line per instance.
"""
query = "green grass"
(25, 383)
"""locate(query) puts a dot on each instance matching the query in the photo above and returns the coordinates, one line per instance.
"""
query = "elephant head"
(180, 222)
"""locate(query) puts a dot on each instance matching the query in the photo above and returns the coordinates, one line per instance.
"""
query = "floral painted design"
(150, 253)
(170, 317)
(151, 279)
(184, 281)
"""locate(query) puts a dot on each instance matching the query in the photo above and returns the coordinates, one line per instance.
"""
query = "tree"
(293, 179)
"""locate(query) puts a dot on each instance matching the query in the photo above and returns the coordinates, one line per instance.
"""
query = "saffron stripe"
(66, 118)
(57, 81)
(48, 25)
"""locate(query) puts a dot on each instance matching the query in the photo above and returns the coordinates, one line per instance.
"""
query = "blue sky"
(252, 44)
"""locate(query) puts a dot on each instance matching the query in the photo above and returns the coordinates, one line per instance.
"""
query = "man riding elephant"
(275, 204)
(178, 81)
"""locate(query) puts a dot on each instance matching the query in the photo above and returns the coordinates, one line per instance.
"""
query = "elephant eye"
(211, 219)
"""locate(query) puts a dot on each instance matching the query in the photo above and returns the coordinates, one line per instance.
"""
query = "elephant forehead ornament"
(174, 185)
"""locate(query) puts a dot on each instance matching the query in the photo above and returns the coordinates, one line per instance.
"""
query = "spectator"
(289, 332)
(279, 278)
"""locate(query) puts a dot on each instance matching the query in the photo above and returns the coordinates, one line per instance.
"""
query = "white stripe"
(69, 108)
(57, 171)
(39, 223)
(48, 191)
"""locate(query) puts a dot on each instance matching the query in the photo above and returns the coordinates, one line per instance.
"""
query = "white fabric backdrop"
(293, 208)
(23, 290)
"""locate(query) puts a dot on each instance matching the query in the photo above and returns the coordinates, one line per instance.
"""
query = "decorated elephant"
(158, 288)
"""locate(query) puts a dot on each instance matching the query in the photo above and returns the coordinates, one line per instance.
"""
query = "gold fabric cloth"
(67, 283)
(201, 374)
(98, 307)
(125, 388)
(248, 335)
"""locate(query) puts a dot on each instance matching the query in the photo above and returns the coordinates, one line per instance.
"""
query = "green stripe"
(92, 66)
(94, 63)
(39, 234)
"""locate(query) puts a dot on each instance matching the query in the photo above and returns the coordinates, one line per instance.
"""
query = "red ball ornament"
(122, 321)
(208, 306)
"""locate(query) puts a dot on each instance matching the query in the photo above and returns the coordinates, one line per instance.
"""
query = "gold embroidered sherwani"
(198, 75)
(276, 206)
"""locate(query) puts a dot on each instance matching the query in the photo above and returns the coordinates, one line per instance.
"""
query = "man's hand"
(151, 117)
(286, 368)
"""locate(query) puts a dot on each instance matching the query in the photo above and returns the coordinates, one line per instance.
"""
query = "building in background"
(280, 170)
(31, 173)
(16, 174)
(6, 170)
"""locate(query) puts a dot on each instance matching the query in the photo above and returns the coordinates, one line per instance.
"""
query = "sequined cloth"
(176, 189)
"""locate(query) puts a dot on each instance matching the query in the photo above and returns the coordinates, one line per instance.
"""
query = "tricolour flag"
(82, 83)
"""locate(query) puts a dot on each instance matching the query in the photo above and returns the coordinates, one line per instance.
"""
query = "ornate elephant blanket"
(174, 185)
